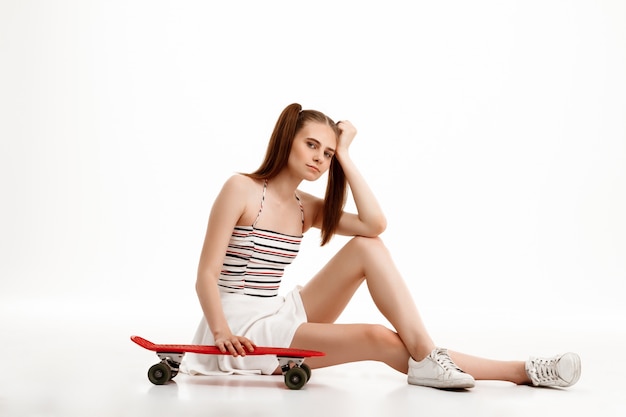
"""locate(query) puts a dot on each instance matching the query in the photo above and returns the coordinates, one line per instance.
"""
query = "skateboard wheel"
(307, 369)
(295, 378)
(159, 374)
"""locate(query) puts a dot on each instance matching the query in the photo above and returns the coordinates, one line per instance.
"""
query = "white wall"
(492, 131)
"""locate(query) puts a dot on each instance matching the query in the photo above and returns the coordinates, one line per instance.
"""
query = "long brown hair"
(289, 123)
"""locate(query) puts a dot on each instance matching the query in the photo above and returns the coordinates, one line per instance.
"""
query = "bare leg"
(489, 369)
(328, 293)
(367, 259)
(344, 343)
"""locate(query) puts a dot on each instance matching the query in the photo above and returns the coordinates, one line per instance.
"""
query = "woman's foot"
(437, 370)
(558, 371)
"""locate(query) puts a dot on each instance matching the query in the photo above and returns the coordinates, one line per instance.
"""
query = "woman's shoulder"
(241, 183)
(239, 195)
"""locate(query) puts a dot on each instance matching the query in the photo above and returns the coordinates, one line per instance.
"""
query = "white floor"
(64, 359)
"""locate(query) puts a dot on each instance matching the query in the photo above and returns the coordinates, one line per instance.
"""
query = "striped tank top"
(256, 258)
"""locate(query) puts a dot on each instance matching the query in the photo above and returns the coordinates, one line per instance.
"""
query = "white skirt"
(271, 321)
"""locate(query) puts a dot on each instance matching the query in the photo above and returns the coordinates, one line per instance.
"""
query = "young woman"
(254, 231)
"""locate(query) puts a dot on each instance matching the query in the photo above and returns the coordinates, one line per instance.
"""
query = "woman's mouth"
(313, 167)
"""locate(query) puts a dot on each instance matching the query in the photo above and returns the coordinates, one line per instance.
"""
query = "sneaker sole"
(577, 371)
(435, 383)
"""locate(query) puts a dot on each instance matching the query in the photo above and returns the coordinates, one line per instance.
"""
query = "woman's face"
(312, 150)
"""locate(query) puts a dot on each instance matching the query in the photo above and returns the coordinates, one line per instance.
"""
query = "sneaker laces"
(543, 371)
(441, 356)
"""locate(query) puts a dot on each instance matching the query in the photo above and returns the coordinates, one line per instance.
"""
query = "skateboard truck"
(164, 371)
(295, 371)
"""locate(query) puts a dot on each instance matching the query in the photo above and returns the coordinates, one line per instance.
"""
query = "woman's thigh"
(326, 295)
(344, 343)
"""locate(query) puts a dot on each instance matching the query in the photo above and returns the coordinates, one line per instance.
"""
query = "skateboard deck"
(295, 372)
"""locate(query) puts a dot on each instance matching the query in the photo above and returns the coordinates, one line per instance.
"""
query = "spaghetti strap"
(301, 208)
(262, 201)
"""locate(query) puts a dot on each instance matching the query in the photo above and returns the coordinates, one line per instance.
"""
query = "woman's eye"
(311, 145)
(328, 155)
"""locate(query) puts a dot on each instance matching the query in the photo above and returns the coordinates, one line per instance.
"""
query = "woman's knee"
(381, 337)
(366, 244)
(384, 345)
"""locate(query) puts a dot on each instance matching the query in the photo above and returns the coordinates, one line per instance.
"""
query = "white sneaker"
(558, 371)
(437, 370)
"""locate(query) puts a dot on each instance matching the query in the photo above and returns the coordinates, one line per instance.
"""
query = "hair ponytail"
(334, 200)
(279, 146)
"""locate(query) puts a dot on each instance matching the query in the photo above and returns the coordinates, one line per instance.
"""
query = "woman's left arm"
(370, 220)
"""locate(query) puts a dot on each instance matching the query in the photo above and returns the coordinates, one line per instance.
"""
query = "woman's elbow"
(203, 281)
(378, 228)
(199, 286)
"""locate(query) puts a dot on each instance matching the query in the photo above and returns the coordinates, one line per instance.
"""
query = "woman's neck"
(284, 185)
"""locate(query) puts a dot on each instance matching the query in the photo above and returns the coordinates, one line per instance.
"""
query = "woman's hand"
(348, 132)
(235, 345)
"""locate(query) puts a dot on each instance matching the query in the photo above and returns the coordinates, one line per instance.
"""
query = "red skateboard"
(296, 372)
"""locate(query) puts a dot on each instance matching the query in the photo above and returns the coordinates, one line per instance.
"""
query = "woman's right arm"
(228, 207)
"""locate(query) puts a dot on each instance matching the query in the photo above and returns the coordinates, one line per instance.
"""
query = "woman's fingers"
(236, 346)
